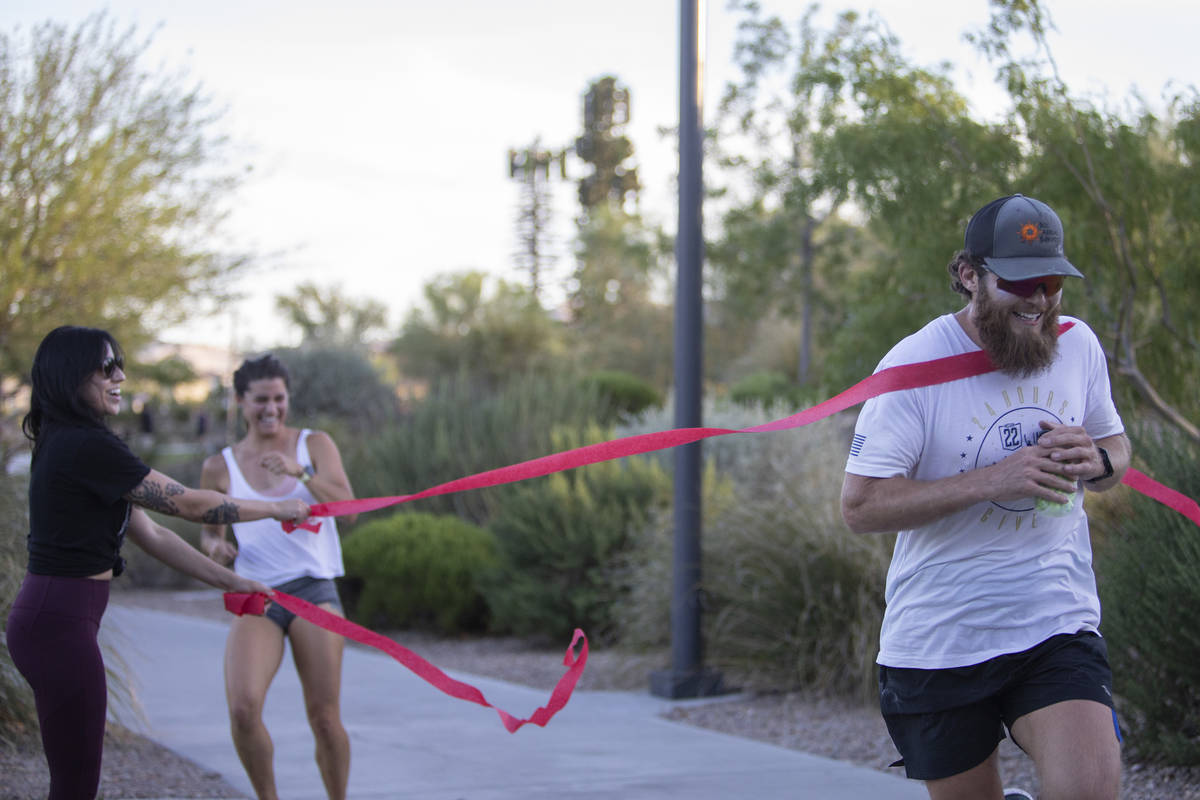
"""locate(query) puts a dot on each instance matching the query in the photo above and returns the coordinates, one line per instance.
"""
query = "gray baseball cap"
(1019, 237)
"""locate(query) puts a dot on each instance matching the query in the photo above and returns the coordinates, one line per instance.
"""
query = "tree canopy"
(1126, 179)
(902, 157)
(464, 330)
(327, 316)
(112, 178)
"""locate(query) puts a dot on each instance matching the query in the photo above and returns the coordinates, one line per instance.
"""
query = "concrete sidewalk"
(409, 740)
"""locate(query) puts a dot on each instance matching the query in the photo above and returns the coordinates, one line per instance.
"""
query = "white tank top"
(265, 552)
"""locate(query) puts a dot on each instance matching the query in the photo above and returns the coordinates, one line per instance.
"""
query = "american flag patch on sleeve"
(856, 445)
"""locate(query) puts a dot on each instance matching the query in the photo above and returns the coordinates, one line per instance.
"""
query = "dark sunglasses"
(111, 365)
(1028, 287)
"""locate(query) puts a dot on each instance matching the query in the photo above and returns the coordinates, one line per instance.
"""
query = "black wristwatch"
(1108, 470)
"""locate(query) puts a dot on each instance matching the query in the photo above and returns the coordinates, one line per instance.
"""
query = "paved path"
(409, 740)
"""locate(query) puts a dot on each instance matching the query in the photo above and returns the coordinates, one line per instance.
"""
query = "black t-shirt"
(77, 514)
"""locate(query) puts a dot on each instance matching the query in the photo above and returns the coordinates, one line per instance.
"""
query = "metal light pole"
(687, 676)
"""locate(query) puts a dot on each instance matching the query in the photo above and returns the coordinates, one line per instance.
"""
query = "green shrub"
(792, 597)
(1148, 567)
(417, 570)
(340, 383)
(560, 539)
(642, 612)
(18, 718)
(627, 394)
(459, 430)
(797, 599)
(765, 389)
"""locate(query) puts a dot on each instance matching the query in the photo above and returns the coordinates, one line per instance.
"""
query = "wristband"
(307, 474)
(1108, 469)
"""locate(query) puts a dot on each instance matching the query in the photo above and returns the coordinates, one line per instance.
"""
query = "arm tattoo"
(156, 497)
(223, 514)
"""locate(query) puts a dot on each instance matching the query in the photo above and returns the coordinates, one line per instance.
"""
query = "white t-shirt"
(265, 552)
(994, 578)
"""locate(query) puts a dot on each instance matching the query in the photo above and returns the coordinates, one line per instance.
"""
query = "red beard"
(1019, 353)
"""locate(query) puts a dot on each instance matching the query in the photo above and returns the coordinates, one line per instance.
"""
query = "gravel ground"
(135, 767)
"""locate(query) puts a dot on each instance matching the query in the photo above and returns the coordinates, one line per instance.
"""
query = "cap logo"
(1030, 232)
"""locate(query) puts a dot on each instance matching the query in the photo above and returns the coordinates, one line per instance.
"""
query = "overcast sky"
(379, 130)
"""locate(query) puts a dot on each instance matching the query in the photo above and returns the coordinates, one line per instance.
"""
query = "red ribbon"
(1141, 482)
(907, 376)
(243, 603)
(904, 376)
(253, 603)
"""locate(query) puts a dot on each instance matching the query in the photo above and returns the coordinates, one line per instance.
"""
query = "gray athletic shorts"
(314, 590)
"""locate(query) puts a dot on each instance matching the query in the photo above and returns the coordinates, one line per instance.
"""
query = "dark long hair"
(67, 356)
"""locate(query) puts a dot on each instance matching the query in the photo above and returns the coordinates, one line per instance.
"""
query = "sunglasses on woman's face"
(1028, 287)
(111, 365)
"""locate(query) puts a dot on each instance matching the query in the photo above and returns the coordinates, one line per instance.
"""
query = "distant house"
(212, 365)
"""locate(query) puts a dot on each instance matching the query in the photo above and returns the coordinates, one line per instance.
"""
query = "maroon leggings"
(52, 632)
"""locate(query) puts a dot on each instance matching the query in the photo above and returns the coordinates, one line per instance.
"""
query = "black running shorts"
(947, 721)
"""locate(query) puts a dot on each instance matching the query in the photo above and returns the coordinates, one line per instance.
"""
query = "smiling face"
(1019, 334)
(102, 389)
(265, 405)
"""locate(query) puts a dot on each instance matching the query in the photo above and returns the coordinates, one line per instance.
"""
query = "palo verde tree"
(779, 230)
(111, 184)
(822, 121)
(914, 157)
(1127, 180)
(327, 316)
(464, 331)
(907, 151)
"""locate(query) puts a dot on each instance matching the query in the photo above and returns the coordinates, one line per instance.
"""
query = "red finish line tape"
(907, 376)
(1141, 482)
(910, 376)
(904, 376)
(242, 603)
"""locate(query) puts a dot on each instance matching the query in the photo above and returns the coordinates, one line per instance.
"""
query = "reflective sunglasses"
(1028, 287)
(111, 365)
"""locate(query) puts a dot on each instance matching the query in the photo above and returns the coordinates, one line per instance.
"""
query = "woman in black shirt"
(86, 493)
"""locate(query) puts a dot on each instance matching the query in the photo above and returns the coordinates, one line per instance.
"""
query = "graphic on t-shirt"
(1012, 430)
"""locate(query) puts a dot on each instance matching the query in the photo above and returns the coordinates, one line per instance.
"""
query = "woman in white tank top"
(274, 461)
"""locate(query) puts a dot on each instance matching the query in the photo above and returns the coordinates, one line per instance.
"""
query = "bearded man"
(992, 618)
